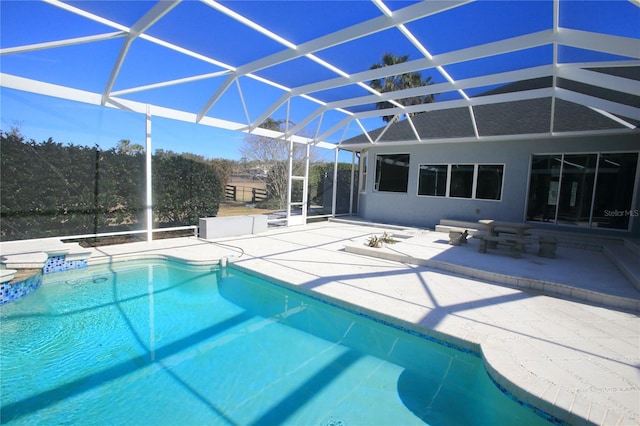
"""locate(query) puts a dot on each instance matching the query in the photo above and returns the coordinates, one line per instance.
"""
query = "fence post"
(253, 195)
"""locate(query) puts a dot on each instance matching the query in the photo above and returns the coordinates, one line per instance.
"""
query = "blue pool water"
(167, 344)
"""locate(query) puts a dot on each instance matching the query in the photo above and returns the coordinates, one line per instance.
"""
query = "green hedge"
(52, 189)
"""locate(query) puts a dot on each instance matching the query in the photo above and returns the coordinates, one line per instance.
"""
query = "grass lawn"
(238, 209)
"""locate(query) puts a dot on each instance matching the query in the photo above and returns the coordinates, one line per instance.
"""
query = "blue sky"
(39, 117)
(87, 66)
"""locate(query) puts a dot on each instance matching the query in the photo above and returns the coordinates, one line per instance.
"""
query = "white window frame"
(364, 167)
(474, 189)
(376, 184)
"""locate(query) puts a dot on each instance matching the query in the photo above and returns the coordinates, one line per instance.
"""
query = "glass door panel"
(614, 190)
(544, 187)
(576, 190)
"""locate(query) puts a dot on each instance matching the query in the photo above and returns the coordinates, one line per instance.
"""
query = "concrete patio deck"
(563, 336)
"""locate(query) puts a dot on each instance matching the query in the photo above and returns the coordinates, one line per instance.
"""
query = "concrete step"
(626, 259)
(35, 260)
(7, 275)
(16, 257)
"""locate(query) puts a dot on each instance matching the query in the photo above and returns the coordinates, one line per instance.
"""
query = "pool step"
(54, 256)
(35, 260)
(7, 275)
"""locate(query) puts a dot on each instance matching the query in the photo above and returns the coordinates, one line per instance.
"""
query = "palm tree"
(399, 82)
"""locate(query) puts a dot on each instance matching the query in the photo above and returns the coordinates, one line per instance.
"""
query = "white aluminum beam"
(47, 89)
(601, 64)
(148, 177)
(487, 80)
(606, 81)
(614, 45)
(597, 103)
(517, 137)
(458, 103)
(62, 43)
(342, 124)
(151, 17)
(171, 83)
(407, 14)
(87, 15)
(217, 95)
(477, 52)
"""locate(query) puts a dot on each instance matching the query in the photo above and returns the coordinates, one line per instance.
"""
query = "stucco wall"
(413, 210)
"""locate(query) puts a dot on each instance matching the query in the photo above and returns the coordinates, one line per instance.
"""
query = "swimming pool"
(153, 342)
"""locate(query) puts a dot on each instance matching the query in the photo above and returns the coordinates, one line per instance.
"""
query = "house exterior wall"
(409, 209)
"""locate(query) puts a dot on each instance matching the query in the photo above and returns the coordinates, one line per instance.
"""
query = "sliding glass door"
(588, 190)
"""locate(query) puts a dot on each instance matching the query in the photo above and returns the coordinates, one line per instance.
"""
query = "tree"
(223, 169)
(399, 82)
(273, 155)
(126, 147)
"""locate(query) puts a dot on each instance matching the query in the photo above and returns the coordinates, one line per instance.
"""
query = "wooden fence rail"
(245, 194)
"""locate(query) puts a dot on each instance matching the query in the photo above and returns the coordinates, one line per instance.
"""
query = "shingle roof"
(518, 117)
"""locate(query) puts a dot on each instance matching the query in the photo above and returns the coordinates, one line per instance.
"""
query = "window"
(461, 180)
(392, 172)
(489, 181)
(476, 181)
(589, 190)
(432, 180)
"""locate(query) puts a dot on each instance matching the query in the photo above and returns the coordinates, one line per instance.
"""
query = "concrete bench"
(516, 244)
(458, 236)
